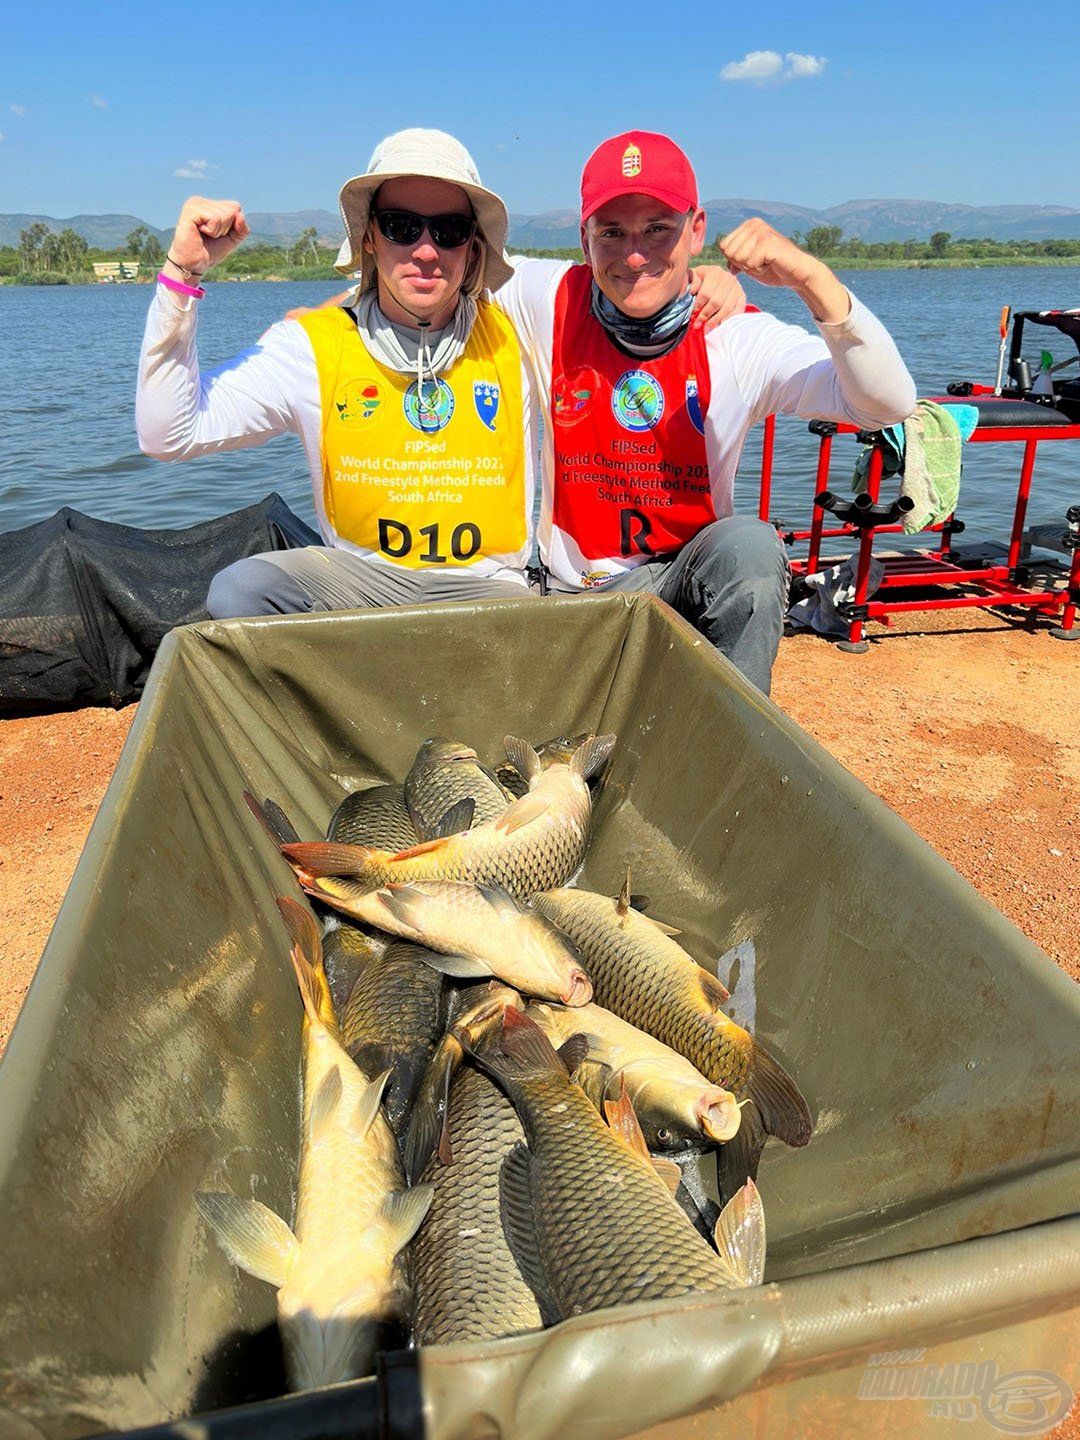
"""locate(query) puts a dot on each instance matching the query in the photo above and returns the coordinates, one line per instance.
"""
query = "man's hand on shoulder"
(755, 249)
(206, 232)
(717, 294)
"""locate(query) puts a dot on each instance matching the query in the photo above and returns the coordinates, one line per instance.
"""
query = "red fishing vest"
(631, 478)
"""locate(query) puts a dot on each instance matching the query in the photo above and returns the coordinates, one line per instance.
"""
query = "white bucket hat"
(437, 156)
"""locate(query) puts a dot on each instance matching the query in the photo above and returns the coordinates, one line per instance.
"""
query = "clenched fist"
(207, 231)
(754, 248)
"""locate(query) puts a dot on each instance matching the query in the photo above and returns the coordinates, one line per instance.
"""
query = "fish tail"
(523, 1053)
(783, 1109)
(740, 1237)
(323, 858)
(307, 959)
(272, 818)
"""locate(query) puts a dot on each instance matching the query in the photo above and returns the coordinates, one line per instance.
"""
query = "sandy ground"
(967, 724)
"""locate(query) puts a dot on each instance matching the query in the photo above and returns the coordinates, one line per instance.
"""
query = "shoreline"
(835, 262)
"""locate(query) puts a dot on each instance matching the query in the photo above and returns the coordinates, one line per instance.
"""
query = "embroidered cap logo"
(631, 162)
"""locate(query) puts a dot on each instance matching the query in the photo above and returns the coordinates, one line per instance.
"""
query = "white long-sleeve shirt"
(850, 371)
(270, 389)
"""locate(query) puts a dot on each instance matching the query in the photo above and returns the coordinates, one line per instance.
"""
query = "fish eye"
(663, 1135)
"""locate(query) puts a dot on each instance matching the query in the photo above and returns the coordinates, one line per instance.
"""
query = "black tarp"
(85, 603)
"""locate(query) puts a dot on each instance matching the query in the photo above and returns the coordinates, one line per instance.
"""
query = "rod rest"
(862, 512)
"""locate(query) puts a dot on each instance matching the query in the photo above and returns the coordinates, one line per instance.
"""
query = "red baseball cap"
(638, 163)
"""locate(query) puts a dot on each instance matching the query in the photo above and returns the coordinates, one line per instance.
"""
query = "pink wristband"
(172, 284)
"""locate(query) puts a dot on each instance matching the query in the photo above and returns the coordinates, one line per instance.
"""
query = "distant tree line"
(828, 242)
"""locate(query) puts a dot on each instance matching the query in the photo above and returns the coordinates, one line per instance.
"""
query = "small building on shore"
(115, 272)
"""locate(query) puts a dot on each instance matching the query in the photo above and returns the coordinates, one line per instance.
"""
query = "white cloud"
(757, 65)
(18, 109)
(98, 103)
(800, 65)
(194, 169)
(761, 67)
(1, 137)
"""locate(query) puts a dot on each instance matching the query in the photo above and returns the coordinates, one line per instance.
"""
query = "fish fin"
(594, 1078)
(714, 990)
(367, 1107)
(784, 1112)
(427, 1121)
(425, 847)
(459, 967)
(664, 929)
(501, 901)
(404, 1210)
(251, 1235)
(372, 1056)
(740, 1237)
(523, 758)
(324, 1104)
(622, 902)
(591, 757)
(668, 1171)
(517, 1212)
(639, 902)
(324, 858)
(523, 812)
(306, 957)
(574, 1051)
(737, 1160)
(456, 820)
(622, 1118)
(523, 1050)
(403, 902)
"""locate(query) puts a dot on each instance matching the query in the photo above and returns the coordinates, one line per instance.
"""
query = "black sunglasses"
(404, 227)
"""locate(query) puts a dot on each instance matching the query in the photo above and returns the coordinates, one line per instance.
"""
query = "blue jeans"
(731, 582)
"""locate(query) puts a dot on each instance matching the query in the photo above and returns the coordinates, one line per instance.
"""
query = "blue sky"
(276, 104)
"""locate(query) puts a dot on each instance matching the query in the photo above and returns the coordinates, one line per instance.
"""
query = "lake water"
(67, 383)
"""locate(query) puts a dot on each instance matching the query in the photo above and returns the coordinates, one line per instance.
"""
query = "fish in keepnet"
(392, 1022)
(377, 816)
(645, 978)
(340, 1273)
(444, 777)
(540, 836)
(477, 931)
(480, 1014)
(588, 1217)
(677, 1108)
(466, 1283)
(557, 751)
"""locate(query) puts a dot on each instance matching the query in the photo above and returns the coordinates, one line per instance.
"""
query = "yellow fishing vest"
(430, 479)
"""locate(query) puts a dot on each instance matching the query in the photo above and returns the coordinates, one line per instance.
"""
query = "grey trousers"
(317, 577)
(731, 582)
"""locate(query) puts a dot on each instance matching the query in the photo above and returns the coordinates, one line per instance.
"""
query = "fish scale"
(610, 1232)
(436, 784)
(375, 816)
(466, 1284)
(645, 978)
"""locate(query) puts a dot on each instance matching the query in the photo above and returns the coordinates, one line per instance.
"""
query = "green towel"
(931, 473)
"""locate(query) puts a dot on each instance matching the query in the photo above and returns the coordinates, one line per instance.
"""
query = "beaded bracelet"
(196, 290)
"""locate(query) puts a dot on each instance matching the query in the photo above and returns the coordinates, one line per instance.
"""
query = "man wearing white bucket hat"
(412, 405)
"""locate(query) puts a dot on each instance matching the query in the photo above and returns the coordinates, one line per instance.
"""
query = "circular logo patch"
(572, 394)
(637, 400)
(359, 402)
(432, 408)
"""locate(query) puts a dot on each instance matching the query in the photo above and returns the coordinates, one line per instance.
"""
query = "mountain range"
(869, 220)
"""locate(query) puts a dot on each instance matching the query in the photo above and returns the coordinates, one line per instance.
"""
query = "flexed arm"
(180, 413)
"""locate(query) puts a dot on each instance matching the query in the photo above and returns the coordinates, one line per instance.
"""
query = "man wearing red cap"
(647, 414)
